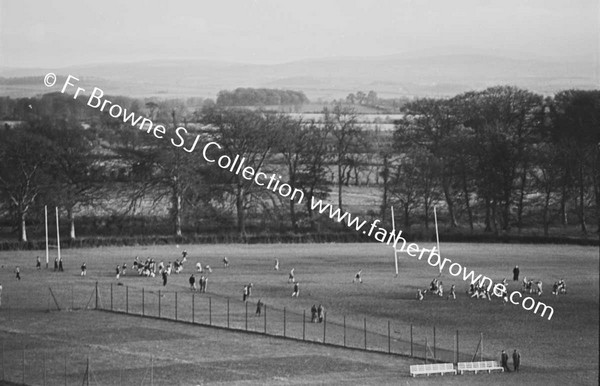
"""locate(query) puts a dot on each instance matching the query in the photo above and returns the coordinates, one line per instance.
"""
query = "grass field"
(563, 350)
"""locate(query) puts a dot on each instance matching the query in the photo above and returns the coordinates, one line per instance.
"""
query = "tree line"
(499, 159)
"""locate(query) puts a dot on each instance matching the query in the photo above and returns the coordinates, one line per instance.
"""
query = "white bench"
(479, 366)
(437, 368)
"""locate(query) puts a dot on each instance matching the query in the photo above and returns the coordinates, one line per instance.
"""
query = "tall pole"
(395, 250)
(437, 235)
(46, 227)
(57, 235)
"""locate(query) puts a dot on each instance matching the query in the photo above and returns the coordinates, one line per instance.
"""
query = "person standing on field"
(504, 361)
(164, 277)
(55, 264)
(18, 273)
(83, 269)
(516, 273)
(296, 290)
(516, 360)
(38, 263)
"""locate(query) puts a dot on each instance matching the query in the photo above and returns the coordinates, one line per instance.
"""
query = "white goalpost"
(437, 237)
(48, 245)
(395, 248)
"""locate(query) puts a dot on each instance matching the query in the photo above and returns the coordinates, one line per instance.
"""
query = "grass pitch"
(563, 350)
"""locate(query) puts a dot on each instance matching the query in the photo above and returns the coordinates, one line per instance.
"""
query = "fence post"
(143, 302)
(210, 311)
(193, 306)
(265, 318)
(434, 355)
(111, 296)
(344, 330)
(96, 295)
(159, 296)
(389, 339)
(481, 338)
(365, 330)
(457, 349)
(246, 303)
(175, 305)
(411, 340)
(23, 363)
(284, 322)
(126, 299)
(303, 324)
(324, 325)
(227, 312)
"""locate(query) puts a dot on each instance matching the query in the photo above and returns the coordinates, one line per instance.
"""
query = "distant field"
(563, 350)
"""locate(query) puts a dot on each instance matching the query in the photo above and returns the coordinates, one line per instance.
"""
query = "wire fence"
(432, 344)
(27, 362)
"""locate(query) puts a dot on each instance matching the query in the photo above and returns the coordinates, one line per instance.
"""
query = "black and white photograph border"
(281, 192)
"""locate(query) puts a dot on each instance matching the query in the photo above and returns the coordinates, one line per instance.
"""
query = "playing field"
(563, 350)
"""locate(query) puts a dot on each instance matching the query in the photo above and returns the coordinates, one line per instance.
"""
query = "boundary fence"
(432, 344)
(24, 364)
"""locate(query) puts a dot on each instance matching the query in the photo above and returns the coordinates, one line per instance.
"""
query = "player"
(60, 265)
(183, 254)
(199, 267)
(296, 290)
(118, 270)
(276, 268)
(0, 294)
(452, 293)
(321, 313)
(313, 314)
(208, 268)
(538, 284)
(259, 305)
(357, 277)
(245, 293)
(83, 269)
(419, 295)
(38, 263)
(291, 276)
(18, 273)
(225, 262)
(562, 287)
(164, 277)
(55, 264)
(124, 269)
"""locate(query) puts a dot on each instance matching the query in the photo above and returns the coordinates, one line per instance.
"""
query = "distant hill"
(390, 76)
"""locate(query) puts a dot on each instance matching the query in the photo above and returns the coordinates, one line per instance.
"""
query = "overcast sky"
(63, 33)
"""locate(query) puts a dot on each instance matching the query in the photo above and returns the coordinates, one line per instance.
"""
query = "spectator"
(516, 273)
(504, 361)
(516, 360)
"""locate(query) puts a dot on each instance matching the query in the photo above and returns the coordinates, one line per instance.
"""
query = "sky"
(74, 32)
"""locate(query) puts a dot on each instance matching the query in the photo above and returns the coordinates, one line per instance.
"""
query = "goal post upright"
(46, 227)
(395, 249)
(57, 235)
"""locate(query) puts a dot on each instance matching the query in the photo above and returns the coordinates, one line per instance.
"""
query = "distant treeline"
(498, 161)
(260, 97)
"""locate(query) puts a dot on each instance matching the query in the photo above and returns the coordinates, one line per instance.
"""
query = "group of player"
(436, 287)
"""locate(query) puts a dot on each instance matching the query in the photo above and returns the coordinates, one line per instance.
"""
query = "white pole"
(46, 226)
(437, 235)
(395, 250)
(57, 234)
